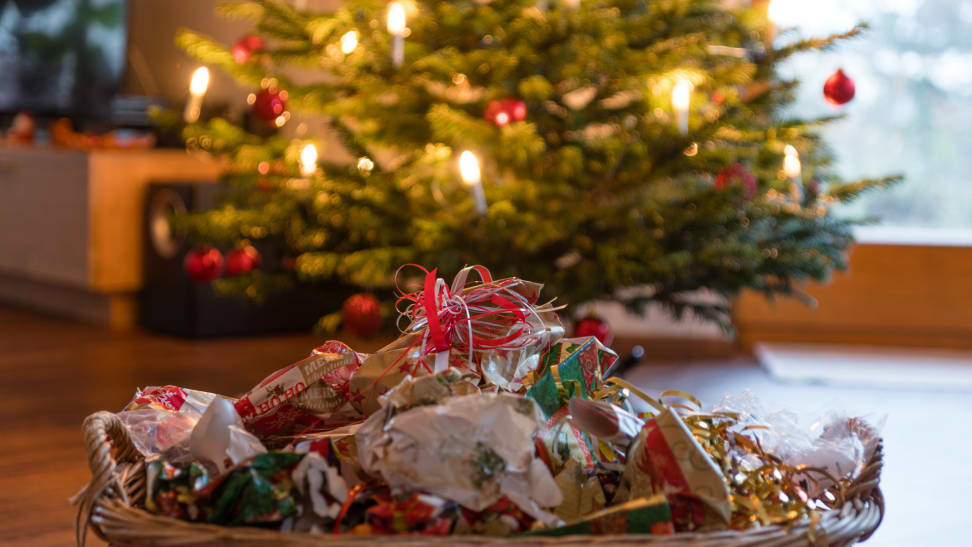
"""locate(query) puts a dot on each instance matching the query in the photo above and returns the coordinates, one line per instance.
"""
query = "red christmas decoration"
(269, 104)
(203, 264)
(736, 173)
(23, 127)
(838, 89)
(241, 260)
(361, 314)
(246, 46)
(593, 325)
(505, 111)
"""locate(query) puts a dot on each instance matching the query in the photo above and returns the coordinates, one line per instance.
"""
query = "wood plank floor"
(54, 373)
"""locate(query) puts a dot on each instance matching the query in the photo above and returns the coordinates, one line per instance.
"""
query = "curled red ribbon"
(468, 317)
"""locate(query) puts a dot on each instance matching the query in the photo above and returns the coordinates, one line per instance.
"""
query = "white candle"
(469, 170)
(396, 27)
(308, 160)
(792, 170)
(197, 89)
(681, 95)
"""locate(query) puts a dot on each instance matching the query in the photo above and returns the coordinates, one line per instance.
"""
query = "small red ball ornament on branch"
(203, 264)
(838, 89)
(736, 173)
(245, 47)
(505, 111)
(241, 260)
(361, 314)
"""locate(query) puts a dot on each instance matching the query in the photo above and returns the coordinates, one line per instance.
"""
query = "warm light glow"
(469, 168)
(199, 82)
(396, 18)
(365, 164)
(787, 12)
(349, 41)
(502, 118)
(308, 160)
(791, 162)
(681, 94)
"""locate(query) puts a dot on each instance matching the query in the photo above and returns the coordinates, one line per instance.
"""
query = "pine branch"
(850, 191)
(817, 43)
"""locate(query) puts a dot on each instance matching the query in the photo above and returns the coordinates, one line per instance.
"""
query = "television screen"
(61, 56)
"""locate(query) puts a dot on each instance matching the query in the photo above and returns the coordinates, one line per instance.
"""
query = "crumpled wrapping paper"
(304, 395)
(472, 449)
(160, 419)
(530, 331)
(221, 439)
(666, 459)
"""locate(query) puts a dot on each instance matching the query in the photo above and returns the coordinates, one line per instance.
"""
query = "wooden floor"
(54, 373)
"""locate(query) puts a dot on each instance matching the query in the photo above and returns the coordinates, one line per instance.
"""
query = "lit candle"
(197, 89)
(469, 170)
(349, 41)
(792, 170)
(308, 160)
(396, 27)
(681, 95)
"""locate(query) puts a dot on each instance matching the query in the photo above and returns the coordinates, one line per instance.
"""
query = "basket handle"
(107, 442)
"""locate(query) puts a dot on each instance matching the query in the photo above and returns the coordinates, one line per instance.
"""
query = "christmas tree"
(627, 150)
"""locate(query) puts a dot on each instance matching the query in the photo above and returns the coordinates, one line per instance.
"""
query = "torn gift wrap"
(640, 516)
(221, 439)
(572, 367)
(311, 393)
(666, 459)
(494, 328)
(472, 449)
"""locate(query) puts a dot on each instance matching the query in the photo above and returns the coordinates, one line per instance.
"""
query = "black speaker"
(171, 303)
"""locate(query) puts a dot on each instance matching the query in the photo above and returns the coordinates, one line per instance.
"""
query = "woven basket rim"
(109, 504)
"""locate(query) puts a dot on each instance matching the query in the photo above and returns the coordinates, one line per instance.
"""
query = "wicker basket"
(112, 504)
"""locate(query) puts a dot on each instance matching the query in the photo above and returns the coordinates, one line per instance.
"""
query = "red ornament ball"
(734, 174)
(203, 264)
(506, 111)
(838, 89)
(593, 325)
(269, 104)
(246, 46)
(242, 260)
(361, 314)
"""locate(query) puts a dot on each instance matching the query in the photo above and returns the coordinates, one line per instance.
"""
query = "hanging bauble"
(734, 174)
(838, 89)
(23, 128)
(246, 46)
(593, 325)
(241, 260)
(270, 104)
(203, 264)
(504, 111)
(516, 108)
(496, 114)
(361, 314)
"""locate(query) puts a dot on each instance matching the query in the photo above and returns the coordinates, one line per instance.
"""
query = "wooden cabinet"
(71, 225)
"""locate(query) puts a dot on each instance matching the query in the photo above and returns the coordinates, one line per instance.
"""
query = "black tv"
(61, 57)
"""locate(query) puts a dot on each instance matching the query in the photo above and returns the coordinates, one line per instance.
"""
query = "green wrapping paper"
(259, 492)
(640, 516)
(572, 367)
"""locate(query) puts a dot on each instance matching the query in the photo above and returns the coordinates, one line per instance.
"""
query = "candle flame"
(349, 41)
(791, 162)
(469, 168)
(681, 94)
(199, 82)
(308, 160)
(396, 18)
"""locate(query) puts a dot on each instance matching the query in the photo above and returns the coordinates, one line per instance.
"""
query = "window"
(912, 113)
